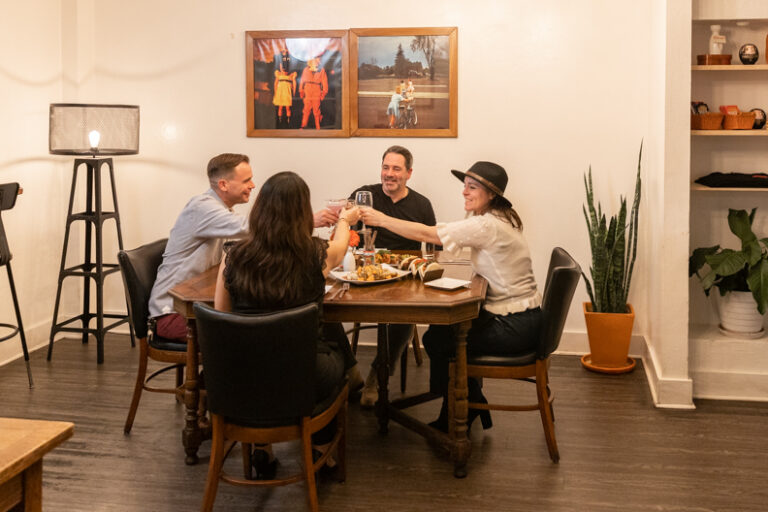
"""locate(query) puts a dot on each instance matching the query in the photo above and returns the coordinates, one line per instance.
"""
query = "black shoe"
(265, 469)
(441, 423)
(485, 415)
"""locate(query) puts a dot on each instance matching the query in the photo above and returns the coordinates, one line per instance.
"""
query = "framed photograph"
(297, 83)
(403, 82)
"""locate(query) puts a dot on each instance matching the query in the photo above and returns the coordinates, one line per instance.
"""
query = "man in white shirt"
(196, 240)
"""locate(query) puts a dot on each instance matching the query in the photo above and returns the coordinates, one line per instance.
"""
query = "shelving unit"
(724, 367)
(700, 187)
(730, 133)
(731, 67)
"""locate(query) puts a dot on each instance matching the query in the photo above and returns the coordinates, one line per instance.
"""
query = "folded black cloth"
(734, 179)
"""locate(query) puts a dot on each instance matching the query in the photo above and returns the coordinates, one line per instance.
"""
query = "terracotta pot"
(609, 336)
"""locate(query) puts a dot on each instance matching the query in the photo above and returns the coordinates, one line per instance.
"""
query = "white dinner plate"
(342, 276)
(447, 283)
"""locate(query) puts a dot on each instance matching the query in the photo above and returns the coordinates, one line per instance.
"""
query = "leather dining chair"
(562, 278)
(139, 270)
(259, 375)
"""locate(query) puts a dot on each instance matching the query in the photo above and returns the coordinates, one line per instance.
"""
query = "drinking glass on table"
(364, 199)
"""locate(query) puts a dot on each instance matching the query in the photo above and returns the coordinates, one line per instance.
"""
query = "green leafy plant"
(731, 270)
(614, 249)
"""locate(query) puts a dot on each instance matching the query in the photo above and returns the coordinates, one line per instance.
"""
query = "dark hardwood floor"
(618, 452)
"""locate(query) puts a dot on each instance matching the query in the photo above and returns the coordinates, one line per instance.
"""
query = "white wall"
(545, 89)
(30, 79)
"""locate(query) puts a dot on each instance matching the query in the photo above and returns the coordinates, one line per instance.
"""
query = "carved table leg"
(460, 445)
(382, 373)
(191, 436)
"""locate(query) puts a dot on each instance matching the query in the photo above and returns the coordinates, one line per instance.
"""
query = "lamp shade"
(72, 127)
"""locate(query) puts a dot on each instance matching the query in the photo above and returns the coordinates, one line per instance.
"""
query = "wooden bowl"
(707, 121)
(713, 59)
(740, 121)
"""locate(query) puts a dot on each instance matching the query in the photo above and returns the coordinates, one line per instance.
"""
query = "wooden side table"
(22, 446)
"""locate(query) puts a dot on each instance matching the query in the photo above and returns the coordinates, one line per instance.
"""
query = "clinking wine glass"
(364, 199)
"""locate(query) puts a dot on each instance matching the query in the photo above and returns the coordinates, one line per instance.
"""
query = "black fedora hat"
(491, 176)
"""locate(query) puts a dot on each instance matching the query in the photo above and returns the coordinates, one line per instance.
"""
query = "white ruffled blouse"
(500, 254)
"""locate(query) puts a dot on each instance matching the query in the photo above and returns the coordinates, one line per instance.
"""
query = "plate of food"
(370, 274)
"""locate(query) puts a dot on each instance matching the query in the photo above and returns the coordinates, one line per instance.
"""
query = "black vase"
(759, 118)
(748, 54)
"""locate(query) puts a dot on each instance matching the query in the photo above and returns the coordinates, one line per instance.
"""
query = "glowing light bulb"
(94, 137)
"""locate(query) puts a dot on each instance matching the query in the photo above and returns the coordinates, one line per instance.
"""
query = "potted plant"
(741, 276)
(608, 316)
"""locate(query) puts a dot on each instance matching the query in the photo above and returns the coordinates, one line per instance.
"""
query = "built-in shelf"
(731, 133)
(731, 67)
(699, 186)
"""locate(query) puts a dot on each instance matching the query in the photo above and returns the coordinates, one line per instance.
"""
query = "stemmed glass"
(336, 205)
(364, 199)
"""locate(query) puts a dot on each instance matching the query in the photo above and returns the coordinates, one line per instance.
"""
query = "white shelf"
(731, 67)
(731, 133)
(699, 186)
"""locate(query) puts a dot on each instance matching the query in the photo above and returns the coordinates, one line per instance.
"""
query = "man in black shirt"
(395, 199)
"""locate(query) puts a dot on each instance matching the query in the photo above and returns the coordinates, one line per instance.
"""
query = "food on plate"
(431, 271)
(415, 264)
(371, 273)
(388, 257)
(406, 262)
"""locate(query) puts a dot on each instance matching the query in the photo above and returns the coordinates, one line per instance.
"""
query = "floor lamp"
(95, 131)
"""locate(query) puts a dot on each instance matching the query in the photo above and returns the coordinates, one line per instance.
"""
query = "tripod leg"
(21, 326)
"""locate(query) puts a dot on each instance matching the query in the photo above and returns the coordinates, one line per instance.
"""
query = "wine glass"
(364, 199)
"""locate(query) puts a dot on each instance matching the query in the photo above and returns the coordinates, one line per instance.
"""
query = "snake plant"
(730, 270)
(614, 249)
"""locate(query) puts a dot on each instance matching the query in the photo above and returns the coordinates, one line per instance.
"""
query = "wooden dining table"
(23, 443)
(404, 301)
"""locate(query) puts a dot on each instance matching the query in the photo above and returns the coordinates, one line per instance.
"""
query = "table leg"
(460, 445)
(382, 373)
(191, 436)
(33, 487)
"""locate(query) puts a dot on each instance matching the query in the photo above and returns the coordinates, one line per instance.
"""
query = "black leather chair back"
(139, 270)
(562, 278)
(259, 369)
(8, 193)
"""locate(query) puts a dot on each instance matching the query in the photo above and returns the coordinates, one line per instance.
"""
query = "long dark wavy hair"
(271, 264)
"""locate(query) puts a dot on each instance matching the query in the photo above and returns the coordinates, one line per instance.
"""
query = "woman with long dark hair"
(280, 265)
(510, 319)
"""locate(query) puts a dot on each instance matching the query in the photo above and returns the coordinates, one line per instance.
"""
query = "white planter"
(739, 314)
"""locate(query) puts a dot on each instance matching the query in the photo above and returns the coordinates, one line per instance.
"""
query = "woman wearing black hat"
(510, 319)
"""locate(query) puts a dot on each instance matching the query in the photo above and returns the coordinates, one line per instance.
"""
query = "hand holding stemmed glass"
(364, 200)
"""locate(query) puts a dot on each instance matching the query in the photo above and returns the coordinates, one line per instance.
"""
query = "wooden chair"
(355, 331)
(562, 278)
(139, 270)
(259, 374)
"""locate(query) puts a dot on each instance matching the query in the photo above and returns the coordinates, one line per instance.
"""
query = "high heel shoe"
(265, 469)
(485, 416)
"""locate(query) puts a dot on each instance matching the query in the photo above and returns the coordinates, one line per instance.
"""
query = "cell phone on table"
(8, 193)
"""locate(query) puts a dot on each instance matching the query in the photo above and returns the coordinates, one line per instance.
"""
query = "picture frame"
(383, 59)
(297, 83)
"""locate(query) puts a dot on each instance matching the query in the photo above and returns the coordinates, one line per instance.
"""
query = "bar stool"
(8, 194)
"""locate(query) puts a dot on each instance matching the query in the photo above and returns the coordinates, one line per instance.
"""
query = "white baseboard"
(730, 386)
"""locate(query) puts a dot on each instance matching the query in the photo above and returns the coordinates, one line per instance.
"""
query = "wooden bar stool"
(8, 194)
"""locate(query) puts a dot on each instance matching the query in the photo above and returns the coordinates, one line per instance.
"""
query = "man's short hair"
(400, 150)
(222, 165)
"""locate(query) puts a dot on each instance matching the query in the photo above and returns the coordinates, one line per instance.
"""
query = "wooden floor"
(618, 452)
